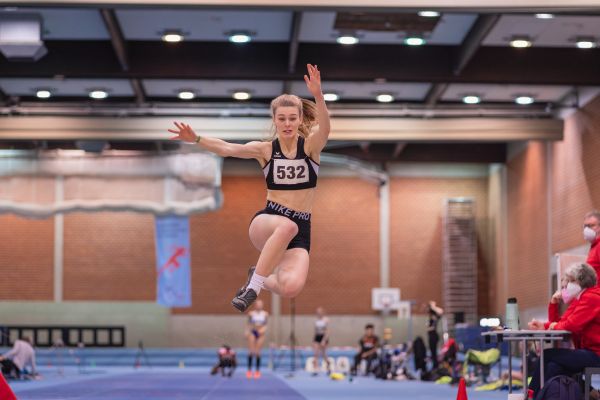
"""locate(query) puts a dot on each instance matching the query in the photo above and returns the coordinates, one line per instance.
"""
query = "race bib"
(289, 172)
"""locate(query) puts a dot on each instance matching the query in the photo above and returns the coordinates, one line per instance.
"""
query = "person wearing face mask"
(582, 319)
(290, 163)
(591, 233)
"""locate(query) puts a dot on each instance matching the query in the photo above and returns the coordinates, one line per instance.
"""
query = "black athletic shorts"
(302, 219)
(319, 338)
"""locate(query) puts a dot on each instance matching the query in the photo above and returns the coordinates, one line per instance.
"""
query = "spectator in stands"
(591, 233)
(582, 319)
(227, 361)
(369, 343)
(21, 356)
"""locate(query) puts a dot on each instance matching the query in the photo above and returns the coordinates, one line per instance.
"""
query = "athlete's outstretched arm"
(220, 147)
(318, 139)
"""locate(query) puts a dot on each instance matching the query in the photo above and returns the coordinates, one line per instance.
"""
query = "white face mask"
(589, 234)
(570, 292)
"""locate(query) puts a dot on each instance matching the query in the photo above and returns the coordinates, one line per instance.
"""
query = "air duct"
(21, 36)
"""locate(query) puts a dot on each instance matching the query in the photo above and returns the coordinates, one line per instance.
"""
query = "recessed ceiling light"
(43, 94)
(520, 42)
(347, 39)
(239, 37)
(585, 43)
(414, 41)
(524, 100)
(241, 95)
(98, 94)
(172, 36)
(331, 96)
(384, 98)
(428, 14)
(471, 99)
(186, 94)
(544, 16)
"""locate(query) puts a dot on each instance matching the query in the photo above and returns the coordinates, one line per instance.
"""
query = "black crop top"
(283, 173)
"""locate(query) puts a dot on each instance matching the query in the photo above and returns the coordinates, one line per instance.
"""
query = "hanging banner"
(173, 280)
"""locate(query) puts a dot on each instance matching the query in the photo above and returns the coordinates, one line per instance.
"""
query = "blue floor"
(126, 383)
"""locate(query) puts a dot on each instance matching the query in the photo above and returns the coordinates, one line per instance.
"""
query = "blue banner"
(173, 280)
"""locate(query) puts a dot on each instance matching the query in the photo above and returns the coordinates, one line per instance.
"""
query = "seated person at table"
(582, 319)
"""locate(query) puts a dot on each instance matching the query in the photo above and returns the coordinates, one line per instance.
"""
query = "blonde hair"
(306, 108)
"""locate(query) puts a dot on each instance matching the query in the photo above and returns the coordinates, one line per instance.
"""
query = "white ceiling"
(505, 93)
(71, 23)
(317, 27)
(275, 26)
(208, 88)
(65, 87)
(268, 89)
(368, 90)
(206, 25)
(560, 31)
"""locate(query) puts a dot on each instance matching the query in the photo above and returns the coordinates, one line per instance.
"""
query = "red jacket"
(582, 319)
(594, 258)
(554, 316)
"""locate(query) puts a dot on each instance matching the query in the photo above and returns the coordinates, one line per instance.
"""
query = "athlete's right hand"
(184, 132)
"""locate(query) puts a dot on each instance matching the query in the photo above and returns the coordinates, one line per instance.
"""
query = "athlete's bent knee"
(290, 290)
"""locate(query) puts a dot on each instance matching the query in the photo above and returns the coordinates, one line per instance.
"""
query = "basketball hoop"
(386, 302)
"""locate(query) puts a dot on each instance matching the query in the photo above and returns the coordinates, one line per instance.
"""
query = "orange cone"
(5, 391)
(462, 390)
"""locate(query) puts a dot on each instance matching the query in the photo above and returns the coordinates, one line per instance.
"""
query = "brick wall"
(417, 206)
(221, 250)
(109, 256)
(26, 258)
(345, 252)
(575, 176)
(528, 226)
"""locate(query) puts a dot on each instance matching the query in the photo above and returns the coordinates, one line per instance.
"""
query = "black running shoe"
(244, 300)
(250, 273)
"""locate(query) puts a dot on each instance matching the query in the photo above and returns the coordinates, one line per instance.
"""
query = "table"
(524, 336)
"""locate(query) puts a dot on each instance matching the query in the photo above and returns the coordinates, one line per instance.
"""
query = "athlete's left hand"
(313, 80)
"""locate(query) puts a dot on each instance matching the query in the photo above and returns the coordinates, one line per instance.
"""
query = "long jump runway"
(196, 384)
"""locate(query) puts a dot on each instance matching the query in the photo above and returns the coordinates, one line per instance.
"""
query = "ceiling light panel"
(318, 27)
(211, 88)
(65, 87)
(364, 90)
(559, 31)
(506, 93)
(205, 25)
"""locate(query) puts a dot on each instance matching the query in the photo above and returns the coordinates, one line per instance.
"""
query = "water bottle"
(512, 314)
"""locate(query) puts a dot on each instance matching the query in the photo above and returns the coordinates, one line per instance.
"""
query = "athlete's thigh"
(262, 227)
(259, 342)
(294, 266)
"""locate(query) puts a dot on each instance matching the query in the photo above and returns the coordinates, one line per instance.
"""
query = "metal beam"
(294, 41)
(398, 149)
(138, 89)
(473, 40)
(442, 5)
(116, 36)
(243, 129)
(435, 94)
(120, 47)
